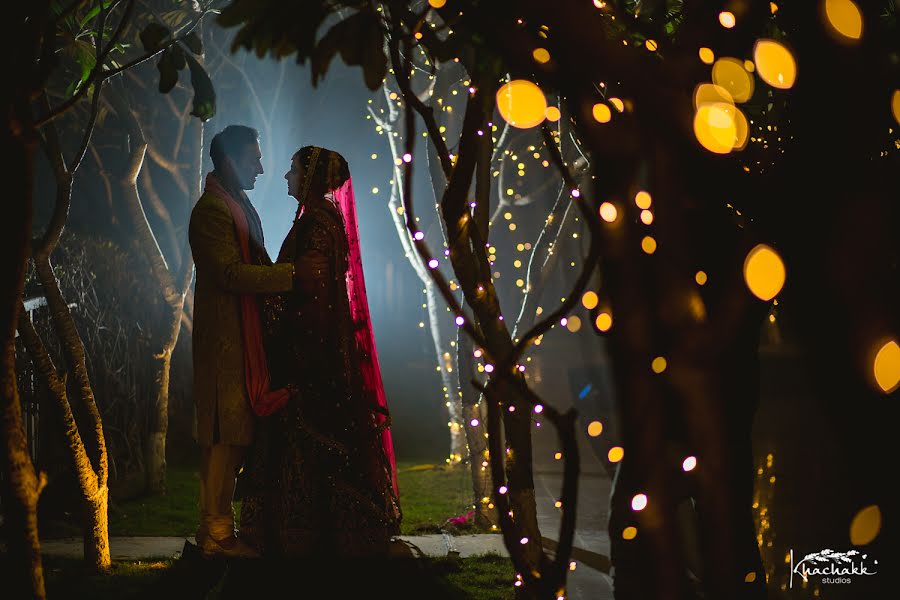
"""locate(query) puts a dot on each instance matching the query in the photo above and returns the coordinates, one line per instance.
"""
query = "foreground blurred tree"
(676, 263)
(33, 56)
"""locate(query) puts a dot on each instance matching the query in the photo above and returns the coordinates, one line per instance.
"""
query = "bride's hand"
(310, 266)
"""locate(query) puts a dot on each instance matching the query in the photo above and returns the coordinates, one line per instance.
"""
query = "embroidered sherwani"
(223, 412)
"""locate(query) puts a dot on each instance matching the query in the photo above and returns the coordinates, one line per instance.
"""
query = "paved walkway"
(590, 579)
(142, 548)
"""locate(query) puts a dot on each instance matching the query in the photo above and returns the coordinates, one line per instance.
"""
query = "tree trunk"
(92, 473)
(476, 436)
(458, 446)
(173, 294)
(91, 461)
(155, 444)
(21, 486)
(96, 533)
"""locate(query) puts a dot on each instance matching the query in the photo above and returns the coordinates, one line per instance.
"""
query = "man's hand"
(310, 267)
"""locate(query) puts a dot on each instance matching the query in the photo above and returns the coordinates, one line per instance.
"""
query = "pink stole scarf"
(256, 370)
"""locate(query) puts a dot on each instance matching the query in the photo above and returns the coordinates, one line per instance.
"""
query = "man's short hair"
(230, 142)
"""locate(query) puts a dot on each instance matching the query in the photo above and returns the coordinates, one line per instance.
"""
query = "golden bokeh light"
(707, 56)
(522, 104)
(617, 104)
(437, 3)
(710, 93)
(844, 18)
(651, 45)
(726, 19)
(629, 533)
(750, 577)
(764, 272)
(865, 526)
(715, 128)
(741, 128)
(603, 321)
(595, 428)
(552, 114)
(887, 367)
(573, 324)
(646, 217)
(608, 212)
(659, 364)
(730, 74)
(615, 454)
(541, 55)
(648, 244)
(589, 300)
(775, 64)
(643, 199)
(700, 278)
(895, 105)
(601, 113)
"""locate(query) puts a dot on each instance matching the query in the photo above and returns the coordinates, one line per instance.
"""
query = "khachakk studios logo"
(830, 566)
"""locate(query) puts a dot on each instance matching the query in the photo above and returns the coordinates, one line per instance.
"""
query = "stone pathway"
(143, 548)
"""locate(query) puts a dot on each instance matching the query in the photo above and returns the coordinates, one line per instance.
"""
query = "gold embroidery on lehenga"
(306, 481)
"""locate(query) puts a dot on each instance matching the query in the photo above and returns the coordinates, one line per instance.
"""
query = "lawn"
(429, 495)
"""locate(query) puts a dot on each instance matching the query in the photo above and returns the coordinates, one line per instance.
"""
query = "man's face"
(248, 166)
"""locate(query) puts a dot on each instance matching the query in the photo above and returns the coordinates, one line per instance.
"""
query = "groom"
(224, 420)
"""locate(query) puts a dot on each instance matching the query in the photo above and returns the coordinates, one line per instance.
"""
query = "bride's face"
(294, 177)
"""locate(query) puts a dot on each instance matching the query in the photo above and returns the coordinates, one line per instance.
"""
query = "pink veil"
(372, 387)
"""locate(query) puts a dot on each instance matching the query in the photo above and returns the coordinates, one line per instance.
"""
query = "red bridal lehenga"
(321, 476)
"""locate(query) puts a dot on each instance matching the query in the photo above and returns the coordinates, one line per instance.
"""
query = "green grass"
(429, 495)
(174, 514)
(67, 578)
(487, 577)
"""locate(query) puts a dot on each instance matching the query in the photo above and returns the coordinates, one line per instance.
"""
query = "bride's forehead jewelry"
(310, 171)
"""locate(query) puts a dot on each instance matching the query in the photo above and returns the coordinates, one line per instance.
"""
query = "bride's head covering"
(324, 171)
(327, 171)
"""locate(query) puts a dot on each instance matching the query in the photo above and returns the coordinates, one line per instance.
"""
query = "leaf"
(86, 57)
(359, 40)
(174, 18)
(193, 42)
(204, 94)
(93, 13)
(153, 35)
(168, 71)
(178, 56)
(374, 59)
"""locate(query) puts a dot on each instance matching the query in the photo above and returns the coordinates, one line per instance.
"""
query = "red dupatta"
(369, 370)
(256, 369)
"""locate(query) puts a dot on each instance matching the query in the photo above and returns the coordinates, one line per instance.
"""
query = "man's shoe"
(229, 547)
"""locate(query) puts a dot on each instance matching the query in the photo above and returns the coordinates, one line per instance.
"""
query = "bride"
(321, 476)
